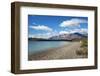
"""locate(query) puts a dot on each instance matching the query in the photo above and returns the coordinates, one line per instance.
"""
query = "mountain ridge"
(69, 37)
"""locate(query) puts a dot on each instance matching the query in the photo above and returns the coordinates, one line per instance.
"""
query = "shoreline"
(64, 52)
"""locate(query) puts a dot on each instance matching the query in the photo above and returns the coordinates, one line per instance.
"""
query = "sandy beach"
(64, 52)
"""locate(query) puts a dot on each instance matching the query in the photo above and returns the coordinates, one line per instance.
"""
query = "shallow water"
(37, 46)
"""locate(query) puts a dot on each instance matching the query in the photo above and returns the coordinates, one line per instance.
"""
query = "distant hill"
(36, 39)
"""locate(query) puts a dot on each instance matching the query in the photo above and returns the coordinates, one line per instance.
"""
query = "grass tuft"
(83, 50)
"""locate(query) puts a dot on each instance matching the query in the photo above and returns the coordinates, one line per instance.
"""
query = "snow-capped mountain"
(71, 36)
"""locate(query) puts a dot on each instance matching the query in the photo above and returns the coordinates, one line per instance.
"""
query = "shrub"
(83, 50)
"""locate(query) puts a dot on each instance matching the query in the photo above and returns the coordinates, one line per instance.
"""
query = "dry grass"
(83, 50)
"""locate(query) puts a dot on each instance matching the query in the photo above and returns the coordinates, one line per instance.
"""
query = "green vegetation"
(83, 50)
(84, 43)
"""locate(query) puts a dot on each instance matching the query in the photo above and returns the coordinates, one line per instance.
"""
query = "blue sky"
(45, 26)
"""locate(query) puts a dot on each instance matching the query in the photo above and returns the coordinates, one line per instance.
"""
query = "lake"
(37, 46)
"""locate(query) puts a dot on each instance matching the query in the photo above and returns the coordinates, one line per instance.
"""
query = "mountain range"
(71, 36)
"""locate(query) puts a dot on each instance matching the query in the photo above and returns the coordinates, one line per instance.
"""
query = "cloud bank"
(41, 27)
(63, 32)
(72, 22)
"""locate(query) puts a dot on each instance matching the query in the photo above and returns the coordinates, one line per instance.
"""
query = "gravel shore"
(65, 52)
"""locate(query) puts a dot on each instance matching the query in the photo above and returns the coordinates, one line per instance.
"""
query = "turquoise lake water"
(37, 46)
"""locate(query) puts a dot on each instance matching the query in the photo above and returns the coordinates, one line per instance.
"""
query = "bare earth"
(65, 52)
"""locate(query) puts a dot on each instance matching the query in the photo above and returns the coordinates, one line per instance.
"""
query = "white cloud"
(83, 30)
(40, 35)
(72, 22)
(63, 32)
(31, 36)
(41, 27)
(47, 34)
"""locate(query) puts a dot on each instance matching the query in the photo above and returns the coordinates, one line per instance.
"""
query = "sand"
(64, 52)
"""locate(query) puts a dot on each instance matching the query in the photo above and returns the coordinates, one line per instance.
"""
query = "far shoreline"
(48, 39)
